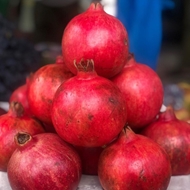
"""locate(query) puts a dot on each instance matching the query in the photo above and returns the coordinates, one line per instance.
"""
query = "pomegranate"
(143, 91)
(89, 157)
(42, 88)
(10, 124)
(45, 162)
(88, 110)
(96, 35)
(2, 111)
(173, 135)
(134, 162)
(49, 128)
(20, 94)
(59, 60)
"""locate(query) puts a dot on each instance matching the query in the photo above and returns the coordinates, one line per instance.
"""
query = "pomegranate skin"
(173, 135)
(134, 162)
(42, 88)
(88, 110)
(89, 157)
(19, 95)
(143, 91)
(2, 111)
(10, 124)
(44, 162)
(96, 35)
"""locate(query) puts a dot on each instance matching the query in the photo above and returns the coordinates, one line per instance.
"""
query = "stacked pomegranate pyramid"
(100, 111)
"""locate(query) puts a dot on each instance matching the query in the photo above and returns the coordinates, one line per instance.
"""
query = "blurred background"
(31, 33)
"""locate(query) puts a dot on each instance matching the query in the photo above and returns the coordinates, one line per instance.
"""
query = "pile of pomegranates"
(83, 114)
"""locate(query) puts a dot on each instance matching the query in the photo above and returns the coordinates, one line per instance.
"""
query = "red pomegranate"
(134, 162)
(20, 94)
(59, 60)
(44, 162)
(96, 35)
(173, 135)
(2, 111)
(42, 88)
(88, 110)
(89, 157)
(143, 91)
(11, 123)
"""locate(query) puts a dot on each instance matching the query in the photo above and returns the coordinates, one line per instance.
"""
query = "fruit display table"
(176, 183)
(92, 183)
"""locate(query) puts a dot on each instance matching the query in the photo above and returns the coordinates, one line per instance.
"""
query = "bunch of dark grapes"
(18, 58)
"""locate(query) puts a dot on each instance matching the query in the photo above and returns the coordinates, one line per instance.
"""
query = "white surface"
(110, 7)
(176, 183)
(92, 183)
(4, 105)
(179, 183)
(89, 183)
(4, 183)
(163, 108)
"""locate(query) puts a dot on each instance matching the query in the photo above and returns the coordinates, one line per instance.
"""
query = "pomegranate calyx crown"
(168, 115)
(84, 65)
(95, 5)
(59, 60)
(29, 78)
(130, 60)
(127, 133)
(16, 109)
(21, 138)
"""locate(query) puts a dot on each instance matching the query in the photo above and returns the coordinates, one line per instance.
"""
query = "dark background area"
(174, 59)
(42, 25)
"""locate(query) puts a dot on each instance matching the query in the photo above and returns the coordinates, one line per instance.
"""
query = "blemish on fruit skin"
(57, 164)
(49, 101)
(126, 42)
(141, 175)
(90, 117)
(113, 101)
